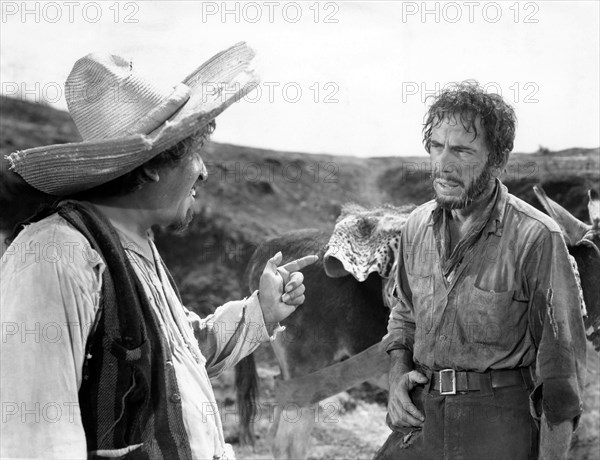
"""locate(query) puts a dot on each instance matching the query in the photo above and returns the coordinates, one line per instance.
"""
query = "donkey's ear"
(594, 208)
(572, 228)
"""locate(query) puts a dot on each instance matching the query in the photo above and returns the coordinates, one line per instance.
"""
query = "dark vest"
(129, 393)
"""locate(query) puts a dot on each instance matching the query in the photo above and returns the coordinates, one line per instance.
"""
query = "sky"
(347, 78)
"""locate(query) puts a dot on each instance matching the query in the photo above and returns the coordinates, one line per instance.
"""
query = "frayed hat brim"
(64, 169)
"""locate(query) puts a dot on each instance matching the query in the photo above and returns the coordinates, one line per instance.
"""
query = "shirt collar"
(495, 222)
(134, 244)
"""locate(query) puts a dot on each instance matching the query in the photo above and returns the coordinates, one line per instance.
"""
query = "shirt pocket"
(133, 366)
(128, 355)
(491, 317)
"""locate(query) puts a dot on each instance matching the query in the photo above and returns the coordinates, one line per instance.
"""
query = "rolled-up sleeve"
(557, 328)
(401, 324)
(232, 332)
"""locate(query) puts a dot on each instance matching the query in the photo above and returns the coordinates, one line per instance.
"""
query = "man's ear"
(505, 156)
(151, 173)
(499, 169)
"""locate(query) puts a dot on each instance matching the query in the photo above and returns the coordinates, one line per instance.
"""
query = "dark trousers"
(494, 424)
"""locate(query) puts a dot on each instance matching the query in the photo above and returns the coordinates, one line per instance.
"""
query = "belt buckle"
(452, 375)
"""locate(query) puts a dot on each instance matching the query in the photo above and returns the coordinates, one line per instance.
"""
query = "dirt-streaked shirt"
(512, 301)
(50, 284)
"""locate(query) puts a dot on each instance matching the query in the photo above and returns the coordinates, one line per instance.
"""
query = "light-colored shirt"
(512, 300)
(50, 284)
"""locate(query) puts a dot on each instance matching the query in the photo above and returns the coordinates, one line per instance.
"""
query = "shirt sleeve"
(557, 328)
(232, 332)
(48, 302)
(401, 324)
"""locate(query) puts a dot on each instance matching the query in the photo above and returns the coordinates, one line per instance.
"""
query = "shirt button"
(442, 337)
(169, 363)
(175, 398)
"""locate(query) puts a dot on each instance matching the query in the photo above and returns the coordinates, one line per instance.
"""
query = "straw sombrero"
(125, 120)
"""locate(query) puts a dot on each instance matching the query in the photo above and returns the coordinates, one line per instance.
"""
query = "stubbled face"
(460, 170)
(177, 190)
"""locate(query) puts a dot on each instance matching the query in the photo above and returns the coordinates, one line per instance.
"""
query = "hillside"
(253, 194)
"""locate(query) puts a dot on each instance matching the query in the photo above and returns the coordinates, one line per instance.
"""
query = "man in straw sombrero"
(99, 356)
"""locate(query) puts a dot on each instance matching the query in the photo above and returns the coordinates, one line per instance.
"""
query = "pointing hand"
(281, 288)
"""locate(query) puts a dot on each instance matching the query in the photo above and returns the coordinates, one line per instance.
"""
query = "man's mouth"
(447, 183)
(199, 183)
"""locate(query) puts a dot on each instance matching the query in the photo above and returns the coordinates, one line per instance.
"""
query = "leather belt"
(450, 382)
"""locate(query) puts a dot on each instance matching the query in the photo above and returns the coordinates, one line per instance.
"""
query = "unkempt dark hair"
(135, 179)
(467, 100)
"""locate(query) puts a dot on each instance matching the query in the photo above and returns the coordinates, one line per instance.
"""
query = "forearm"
(555, 440)
(235, 330)
(401, 362)
(558, 332)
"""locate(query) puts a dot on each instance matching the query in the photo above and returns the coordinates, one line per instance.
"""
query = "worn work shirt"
(50, 290)
(512, 300)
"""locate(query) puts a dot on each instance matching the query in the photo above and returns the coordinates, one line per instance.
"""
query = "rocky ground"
(351, 425)
(356, 428)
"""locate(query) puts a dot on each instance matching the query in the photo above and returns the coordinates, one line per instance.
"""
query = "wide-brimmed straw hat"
(125, 120)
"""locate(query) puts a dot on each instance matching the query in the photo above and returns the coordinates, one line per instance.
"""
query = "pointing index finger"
(299, 264)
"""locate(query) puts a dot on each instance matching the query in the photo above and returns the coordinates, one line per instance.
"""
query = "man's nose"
(446, 155)
(203, 171)
(446, 160)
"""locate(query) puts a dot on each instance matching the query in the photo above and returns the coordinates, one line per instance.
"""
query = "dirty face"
(460, 168)
(175, 192)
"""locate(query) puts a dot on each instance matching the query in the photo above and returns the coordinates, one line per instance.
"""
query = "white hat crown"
(108, 99)
(125, 120)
